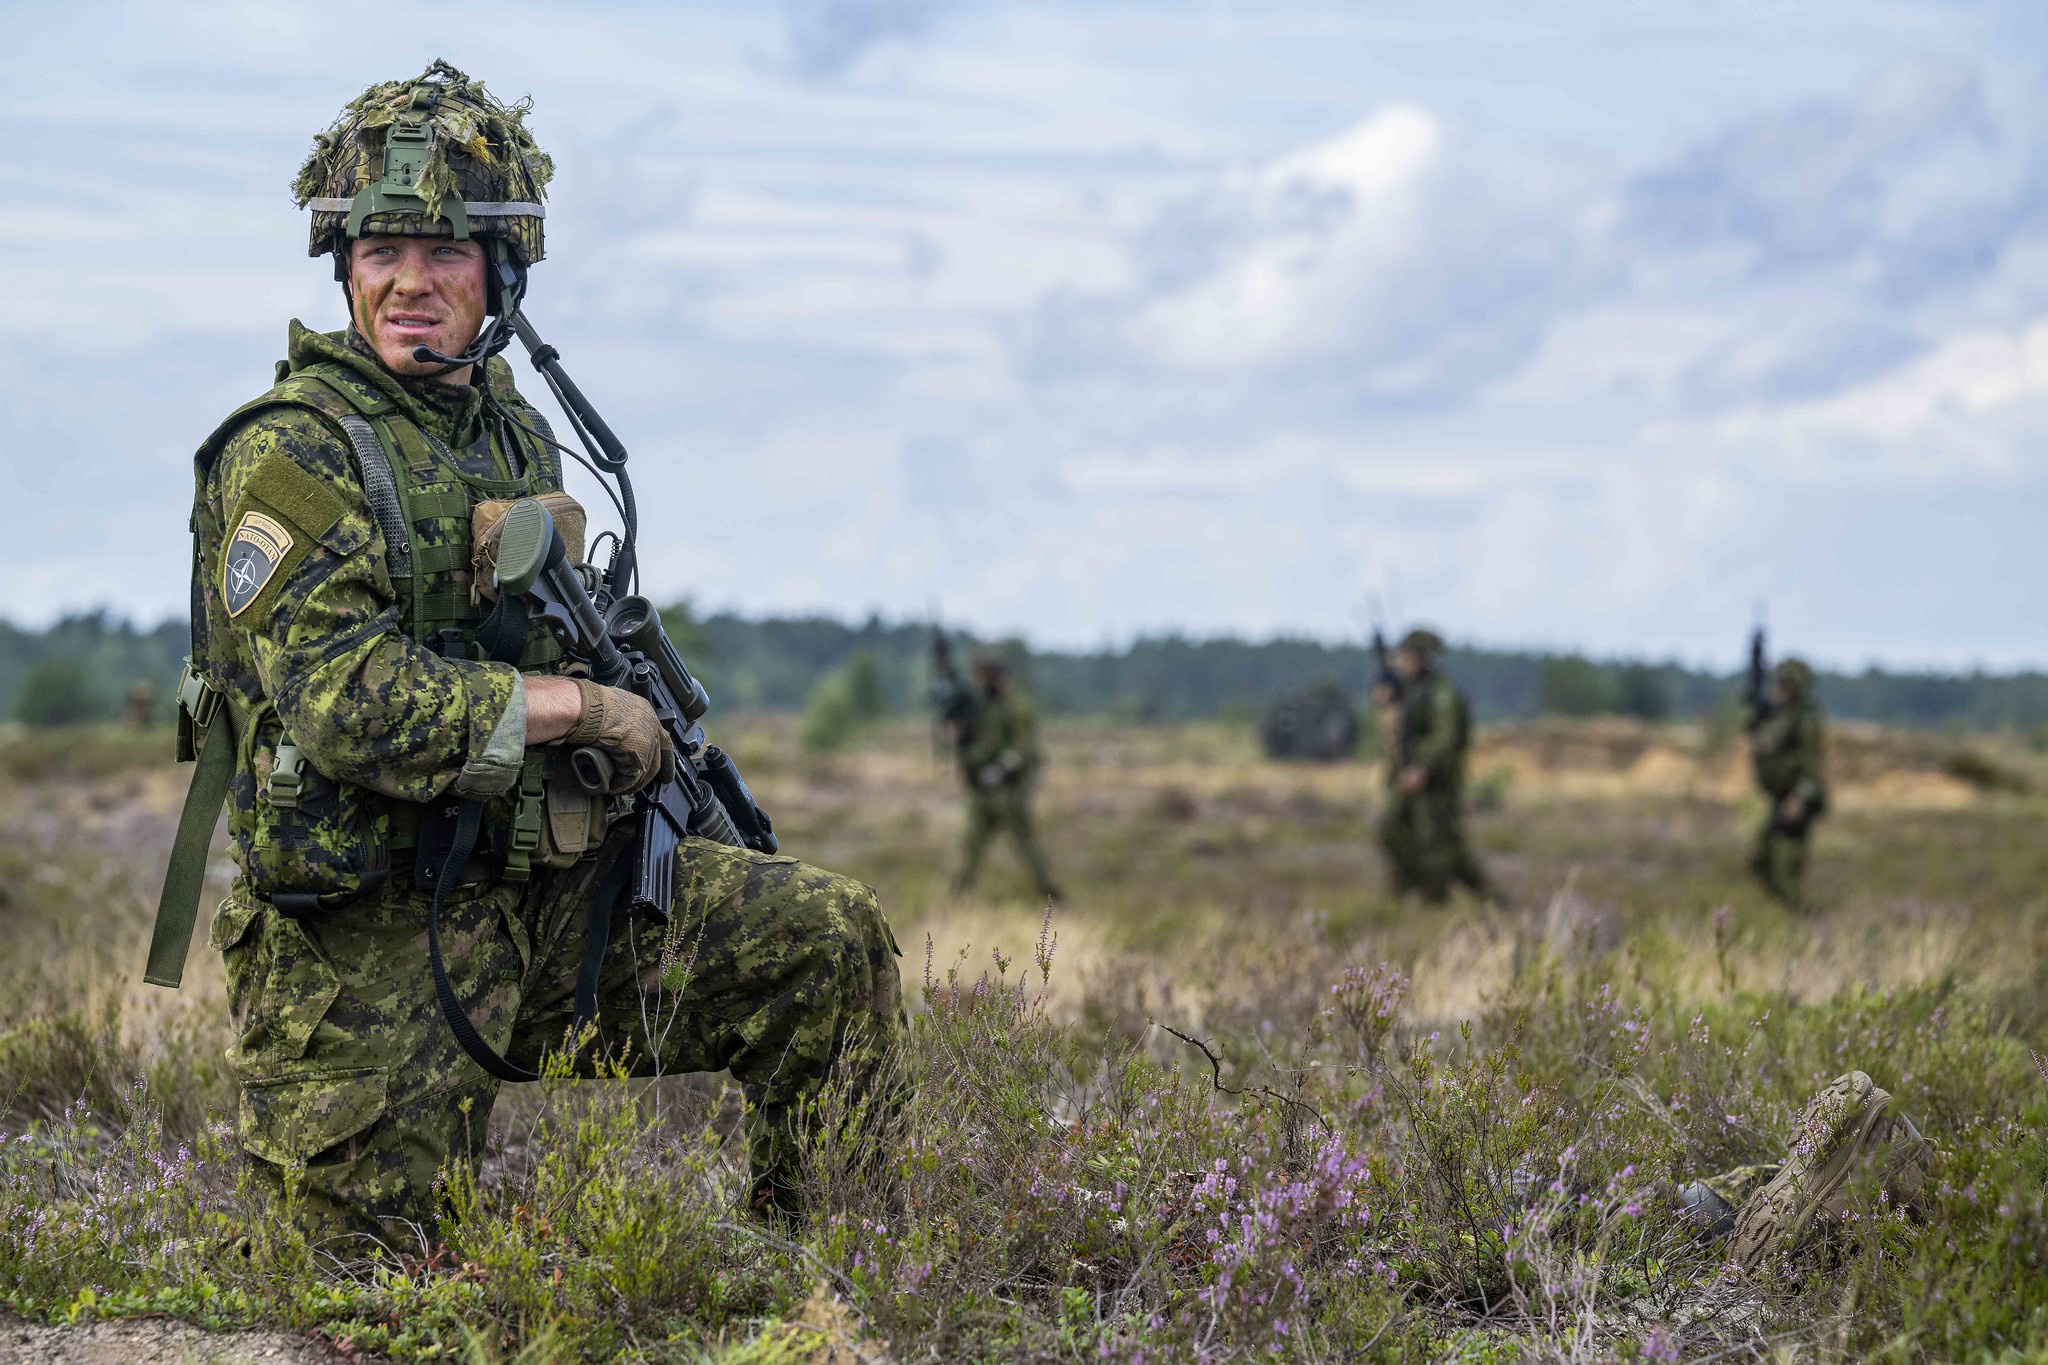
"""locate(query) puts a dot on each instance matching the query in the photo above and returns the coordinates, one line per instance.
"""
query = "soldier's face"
(417, 291)
(1408, 664)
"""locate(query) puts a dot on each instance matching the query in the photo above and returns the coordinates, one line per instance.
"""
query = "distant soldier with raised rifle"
(1423, 829)
(1786, 744)
(994, 731)
(474, 818)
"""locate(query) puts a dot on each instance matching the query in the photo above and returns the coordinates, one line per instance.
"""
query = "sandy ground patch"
(154, 1341)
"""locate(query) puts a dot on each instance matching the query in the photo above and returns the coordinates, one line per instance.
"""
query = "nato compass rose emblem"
(254, 552)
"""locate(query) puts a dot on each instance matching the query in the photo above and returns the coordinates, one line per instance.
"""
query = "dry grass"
(1227, 897)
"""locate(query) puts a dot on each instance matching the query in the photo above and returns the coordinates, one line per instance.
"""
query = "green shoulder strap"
(204, 725)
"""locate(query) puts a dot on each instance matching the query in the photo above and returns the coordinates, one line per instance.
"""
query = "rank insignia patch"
(254, 552)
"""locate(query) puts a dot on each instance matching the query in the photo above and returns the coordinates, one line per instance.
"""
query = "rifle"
(1756, 692)
(1382, 660)
(620, 638)
(950, 694)
(626, 647)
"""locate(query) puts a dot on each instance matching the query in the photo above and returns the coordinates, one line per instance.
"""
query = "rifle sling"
(482, 1053)
(597, 939)
(503, 637)
(177, 907)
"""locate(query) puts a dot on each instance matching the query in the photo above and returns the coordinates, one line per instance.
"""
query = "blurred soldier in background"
(1785, 742)
(1423, 830)
(994, 730)
(140, 711)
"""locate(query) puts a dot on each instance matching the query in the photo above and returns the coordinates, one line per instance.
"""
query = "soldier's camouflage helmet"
(434, 156)
(1794, 677)
(988, 661)
(1426, 644)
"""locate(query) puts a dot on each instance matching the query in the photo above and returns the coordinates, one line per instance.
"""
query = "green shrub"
(1573, 685)
(1644, 692)
(844, 704)
(55, 693)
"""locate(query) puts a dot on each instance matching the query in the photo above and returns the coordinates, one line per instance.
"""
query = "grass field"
(1448, 1133)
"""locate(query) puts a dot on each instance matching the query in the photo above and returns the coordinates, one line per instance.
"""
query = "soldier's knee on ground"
(818, 944)
(352, 1166)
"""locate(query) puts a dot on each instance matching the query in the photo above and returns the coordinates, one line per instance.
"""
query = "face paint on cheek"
(464, 291)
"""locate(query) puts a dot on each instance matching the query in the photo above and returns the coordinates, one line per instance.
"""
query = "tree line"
(84, 668)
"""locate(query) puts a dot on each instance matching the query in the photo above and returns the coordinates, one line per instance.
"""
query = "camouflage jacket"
(1786, 747)
(299, 619)
(1001, 729)
(1433, 731)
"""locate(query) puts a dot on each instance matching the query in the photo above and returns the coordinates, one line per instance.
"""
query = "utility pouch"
(576, 819)
(437, 827)
(486, 522)
(316, 843)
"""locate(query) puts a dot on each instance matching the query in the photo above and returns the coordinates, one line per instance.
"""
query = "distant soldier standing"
(994, 729)
(1423, 830)
(140, 711)
(1785, 743)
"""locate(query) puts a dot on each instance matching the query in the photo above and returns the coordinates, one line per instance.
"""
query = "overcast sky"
(1564, 322)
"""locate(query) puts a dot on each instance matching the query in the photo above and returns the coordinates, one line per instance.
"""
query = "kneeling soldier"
(337, 614)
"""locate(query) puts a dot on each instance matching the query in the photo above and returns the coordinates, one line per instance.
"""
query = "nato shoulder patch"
(256, 549)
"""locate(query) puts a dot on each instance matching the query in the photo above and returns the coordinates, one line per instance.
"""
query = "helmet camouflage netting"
(461, 163)
(1795, 676)
(1423, 641)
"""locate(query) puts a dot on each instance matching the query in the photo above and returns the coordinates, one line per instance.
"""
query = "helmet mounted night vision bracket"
(406, 148)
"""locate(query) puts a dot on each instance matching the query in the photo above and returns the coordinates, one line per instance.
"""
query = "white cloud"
(1089, 319)
(1325, 230)
(1975, 406)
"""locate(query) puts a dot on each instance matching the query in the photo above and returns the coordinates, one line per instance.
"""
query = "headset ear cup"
(504, 277)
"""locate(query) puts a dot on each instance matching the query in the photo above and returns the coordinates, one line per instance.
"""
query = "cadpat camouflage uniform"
(359, 706)
(1423, 833)
(1787, 742)
(999, 760)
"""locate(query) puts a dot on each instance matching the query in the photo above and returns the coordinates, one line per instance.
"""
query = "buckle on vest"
(197, 698)
(287, 778)
(199, 704)
(527, 819)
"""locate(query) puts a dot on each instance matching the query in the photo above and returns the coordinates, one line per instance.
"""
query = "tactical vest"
(317, 842)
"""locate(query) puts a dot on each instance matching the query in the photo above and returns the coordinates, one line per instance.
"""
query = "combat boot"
(1713, 1202)
(1845, 1129)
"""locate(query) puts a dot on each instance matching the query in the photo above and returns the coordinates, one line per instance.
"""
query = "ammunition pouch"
(547, 821)
(436, 824)
(577, 820)
(316, 843)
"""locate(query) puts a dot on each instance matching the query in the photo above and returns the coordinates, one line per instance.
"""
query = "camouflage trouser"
(1779, 858)
(347, 1065)
(1005, 808)
(1424, 840)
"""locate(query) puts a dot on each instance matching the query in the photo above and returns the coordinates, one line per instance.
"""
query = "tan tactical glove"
(624, 727)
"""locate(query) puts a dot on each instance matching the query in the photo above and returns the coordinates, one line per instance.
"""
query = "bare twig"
(1265, 1091)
